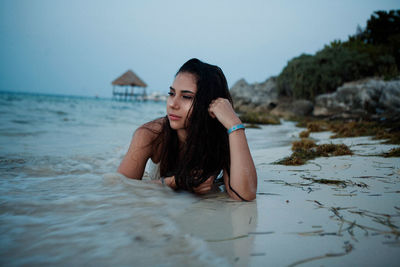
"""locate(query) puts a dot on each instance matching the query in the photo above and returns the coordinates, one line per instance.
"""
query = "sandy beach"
(299, 217)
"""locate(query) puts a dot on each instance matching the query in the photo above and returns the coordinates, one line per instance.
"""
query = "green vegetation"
(370, 52)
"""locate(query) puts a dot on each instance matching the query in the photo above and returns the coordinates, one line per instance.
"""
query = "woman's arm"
(242, 182)
(140, 150)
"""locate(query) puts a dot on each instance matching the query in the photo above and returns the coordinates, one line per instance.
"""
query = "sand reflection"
(226, 225)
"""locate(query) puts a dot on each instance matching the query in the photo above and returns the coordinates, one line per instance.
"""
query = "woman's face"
(181, 96)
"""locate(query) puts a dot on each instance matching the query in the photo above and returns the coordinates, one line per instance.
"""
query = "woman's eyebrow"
(183, 91)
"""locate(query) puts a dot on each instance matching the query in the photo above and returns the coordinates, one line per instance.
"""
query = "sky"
(79, 47)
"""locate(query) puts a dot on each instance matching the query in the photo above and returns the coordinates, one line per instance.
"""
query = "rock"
(302, 107)
(288, 109)
(368, 96)
(258, 94)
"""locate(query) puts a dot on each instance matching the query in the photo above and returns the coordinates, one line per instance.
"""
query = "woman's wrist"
(235, 128)
(232, 123)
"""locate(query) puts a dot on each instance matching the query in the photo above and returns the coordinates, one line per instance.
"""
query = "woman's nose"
(174, 102)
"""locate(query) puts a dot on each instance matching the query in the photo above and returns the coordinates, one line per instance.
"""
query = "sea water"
(61, 200)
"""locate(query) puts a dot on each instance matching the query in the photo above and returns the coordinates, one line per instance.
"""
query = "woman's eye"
(170, 93)
(187, 97)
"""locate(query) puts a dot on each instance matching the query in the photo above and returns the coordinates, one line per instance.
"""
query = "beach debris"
(326, 181)
(348, 247)
(306, 149)
(226, 239)
(317, 126)
(304, 134)
(394, 152)
(268, 194)
(258, 254)
(381, 218)
(254, 117)
(303, 144)
(389, 131)
(369, 176)
(339, 183)
(261, 233)
(319, 203)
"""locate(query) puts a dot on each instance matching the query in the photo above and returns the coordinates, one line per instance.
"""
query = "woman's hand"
(170, 181)
(205, 187)
(202, 189)
(222, 109)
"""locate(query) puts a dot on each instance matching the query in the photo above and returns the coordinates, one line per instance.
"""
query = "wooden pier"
(124, 87)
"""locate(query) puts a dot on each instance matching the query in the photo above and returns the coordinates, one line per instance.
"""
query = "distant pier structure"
(123, 87)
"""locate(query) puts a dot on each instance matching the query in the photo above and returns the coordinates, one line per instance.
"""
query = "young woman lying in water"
(200, 137)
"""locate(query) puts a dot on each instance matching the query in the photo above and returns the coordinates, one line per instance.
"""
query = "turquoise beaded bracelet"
(236, 127)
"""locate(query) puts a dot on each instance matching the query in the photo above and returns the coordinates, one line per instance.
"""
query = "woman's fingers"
(205, 187)
(211, 113)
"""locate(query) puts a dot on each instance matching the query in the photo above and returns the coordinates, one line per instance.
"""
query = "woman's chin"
(175, 125)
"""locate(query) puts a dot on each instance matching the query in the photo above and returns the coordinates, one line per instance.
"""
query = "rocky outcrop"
(290, 109)
(369, 96)
(263, 94)
(264, 98)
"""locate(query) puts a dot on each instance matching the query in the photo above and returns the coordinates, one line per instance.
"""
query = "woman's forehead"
(185, 82)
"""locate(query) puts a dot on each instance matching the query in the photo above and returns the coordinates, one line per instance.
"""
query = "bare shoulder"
(154, 125)
(143, 146)
(149, 131)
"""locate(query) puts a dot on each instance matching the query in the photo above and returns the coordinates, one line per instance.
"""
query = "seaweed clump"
(304, 134)
(253, 117)
(390, 132)
(306, 149)
(394, 152)
(353, 129)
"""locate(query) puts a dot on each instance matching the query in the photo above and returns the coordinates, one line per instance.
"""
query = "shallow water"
(62, 203)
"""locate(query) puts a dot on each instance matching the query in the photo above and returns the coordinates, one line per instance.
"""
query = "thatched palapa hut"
(126, 80)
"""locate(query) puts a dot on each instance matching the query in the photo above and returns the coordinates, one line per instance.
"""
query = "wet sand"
(332, 211)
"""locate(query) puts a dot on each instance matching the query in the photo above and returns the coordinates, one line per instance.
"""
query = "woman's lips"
(174, 117)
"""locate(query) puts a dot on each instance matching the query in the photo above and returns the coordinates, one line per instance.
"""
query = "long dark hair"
(206, 150)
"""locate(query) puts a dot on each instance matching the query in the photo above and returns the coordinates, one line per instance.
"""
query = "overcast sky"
(78, 47)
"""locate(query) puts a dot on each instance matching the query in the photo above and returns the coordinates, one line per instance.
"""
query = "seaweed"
(303, 144)
(227, 239)
(304, 134)
(327, 181)
(390, 132)
(317, 126)
(253, 117)
(306, 149)
(326, 150)
(394, 152)
(348, 247)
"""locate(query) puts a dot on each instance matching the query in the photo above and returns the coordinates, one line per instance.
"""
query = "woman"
(200, 137)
